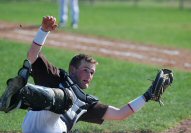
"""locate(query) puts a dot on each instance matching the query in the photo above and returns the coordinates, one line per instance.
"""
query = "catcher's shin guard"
(37, 97)
(43, 98)
(10, 99)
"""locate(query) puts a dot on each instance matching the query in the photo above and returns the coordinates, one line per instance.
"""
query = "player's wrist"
(147, 97)
(41, 36)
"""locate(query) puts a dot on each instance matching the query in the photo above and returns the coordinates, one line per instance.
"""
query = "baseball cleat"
(8, 100)
(75, 26)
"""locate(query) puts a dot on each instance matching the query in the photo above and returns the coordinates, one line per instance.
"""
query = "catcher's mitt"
(163, 79)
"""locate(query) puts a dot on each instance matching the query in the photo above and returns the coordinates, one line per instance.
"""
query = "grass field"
(118, 87)
(116, 82)
(164, 26)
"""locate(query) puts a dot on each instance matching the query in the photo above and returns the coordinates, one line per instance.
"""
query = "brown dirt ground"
(146, 54)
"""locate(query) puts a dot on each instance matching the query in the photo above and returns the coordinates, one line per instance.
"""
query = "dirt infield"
(147, 54)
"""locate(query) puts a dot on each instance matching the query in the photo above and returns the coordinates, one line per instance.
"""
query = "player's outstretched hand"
(49, 23)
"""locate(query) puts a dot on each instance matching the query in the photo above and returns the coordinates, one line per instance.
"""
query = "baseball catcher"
(58, 101)
(27, 96)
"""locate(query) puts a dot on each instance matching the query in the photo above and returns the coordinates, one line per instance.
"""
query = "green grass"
(160, 26)
(114, 85)
(144, 24)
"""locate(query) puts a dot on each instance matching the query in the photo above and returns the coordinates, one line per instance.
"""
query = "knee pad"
(63, 100)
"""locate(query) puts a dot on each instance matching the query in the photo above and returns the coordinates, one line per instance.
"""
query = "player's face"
(84, 74)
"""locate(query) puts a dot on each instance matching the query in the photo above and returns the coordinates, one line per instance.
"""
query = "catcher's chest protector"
(81, 103)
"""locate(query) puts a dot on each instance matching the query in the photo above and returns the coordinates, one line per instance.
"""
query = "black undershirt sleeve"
(44, 73)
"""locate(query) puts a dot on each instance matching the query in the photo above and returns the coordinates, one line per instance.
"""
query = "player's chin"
(84, 86)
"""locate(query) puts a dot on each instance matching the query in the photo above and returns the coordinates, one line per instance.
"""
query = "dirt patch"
(183, 127)
(149, 54)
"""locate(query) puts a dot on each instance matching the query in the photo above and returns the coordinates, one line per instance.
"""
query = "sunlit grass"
(116, 83)
(145, 24)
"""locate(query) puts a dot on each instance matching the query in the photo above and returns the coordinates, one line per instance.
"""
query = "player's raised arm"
(48, 24)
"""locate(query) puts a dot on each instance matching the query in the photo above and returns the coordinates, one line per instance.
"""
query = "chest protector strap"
(82, 102)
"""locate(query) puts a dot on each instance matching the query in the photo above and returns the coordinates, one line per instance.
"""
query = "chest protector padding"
(81, 103)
